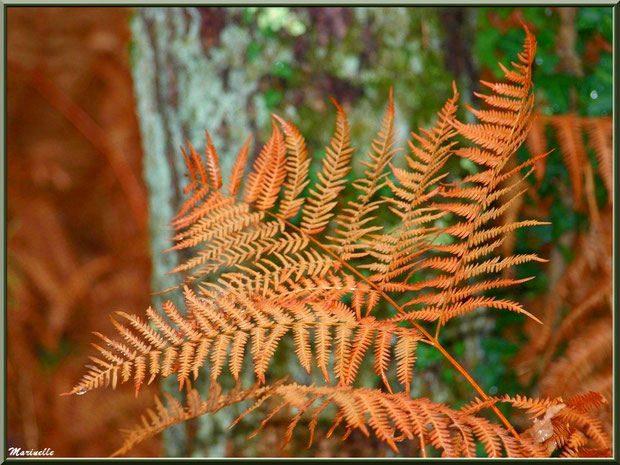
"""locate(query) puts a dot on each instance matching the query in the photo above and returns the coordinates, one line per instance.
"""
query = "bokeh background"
(99, 99)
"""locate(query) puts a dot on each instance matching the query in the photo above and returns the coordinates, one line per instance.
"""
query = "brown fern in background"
(76, 219)
(570, 131)
(572, 354)
(575, 135)
(259, 276)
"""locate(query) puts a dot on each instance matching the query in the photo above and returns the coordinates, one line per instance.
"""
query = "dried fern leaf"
(297, 164)
(220, 325)
(397, 417)
(500, 132)
(568, 130)
(323, 195)
(354, 220)
(164, 417)
(236, 175)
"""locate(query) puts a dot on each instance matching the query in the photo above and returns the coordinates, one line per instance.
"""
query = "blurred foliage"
(77, 243)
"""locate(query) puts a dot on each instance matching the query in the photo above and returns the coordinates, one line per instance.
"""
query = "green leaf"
(282, 69)
(272, 98)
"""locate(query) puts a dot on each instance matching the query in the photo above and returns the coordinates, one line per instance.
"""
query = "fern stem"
(433, 341)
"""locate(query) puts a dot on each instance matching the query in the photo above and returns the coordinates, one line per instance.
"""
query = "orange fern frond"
(274, 176)
(573, 354)
(498, 135)
(354, 220)
(220, 326)
(600, 132)
(260, 168)
(395, 251)
(213, 163)
(297, 165)
(164, 416)
(331, 179)
(395, 418)
(236, 175)
(254, 278)
(568, 130)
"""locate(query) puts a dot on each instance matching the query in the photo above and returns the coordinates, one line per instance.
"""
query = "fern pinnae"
(236, 174)
(275, 174)
(302, 345)
(431, 156)
(499, 141)
(297, 165)
(269, 348)
(382, 353)
(259, 169)
(323, 195)
(353, 220)
(191, 173)
(219, 353)
(323, 342)
(198, 165)
(342, 351)
(361, 342)
(235, 248)
(199, 211)
(216, 224)
(185, 364)
(405, 351)
(600, 136)
(568, 130)
(168, 361)
(213, 163)
(237, 352)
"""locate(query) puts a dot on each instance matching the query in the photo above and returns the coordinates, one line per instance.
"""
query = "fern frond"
(498, 135)
(260, 168)
(394, 418)
(536, 143)
(258, 278)
(396, 250)
(600, 132)
(297, 164)
(213, 163)
(354, 220)
(561, 419)
(568, 130)
(236, 175)
(583, 354)
(221, 324)
(331, 179)
(275, 173)
(198, 186)
(164, 416)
